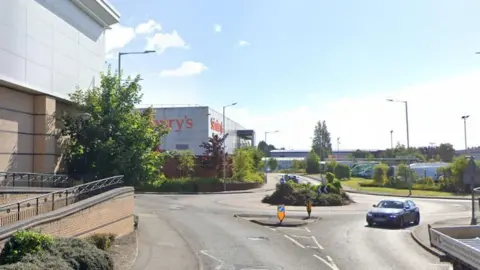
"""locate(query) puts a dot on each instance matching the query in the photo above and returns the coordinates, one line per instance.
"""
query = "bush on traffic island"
(342, 171)
(380, 174)
(294, 194)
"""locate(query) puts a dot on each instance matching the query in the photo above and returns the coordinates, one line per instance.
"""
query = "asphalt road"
(200, 232)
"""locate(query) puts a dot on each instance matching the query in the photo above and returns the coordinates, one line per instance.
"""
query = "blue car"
(396, 212)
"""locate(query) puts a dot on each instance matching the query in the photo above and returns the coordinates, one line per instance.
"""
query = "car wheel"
(401, 222)
(417, 219)
(370, 224)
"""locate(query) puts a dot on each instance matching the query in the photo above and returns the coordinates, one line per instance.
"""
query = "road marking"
(316, 242)
(307, 229)
(332, 262)
(212, 257)
(300, 236)
(290, 228)
(273, 229)
(332, 266)
(294, 241)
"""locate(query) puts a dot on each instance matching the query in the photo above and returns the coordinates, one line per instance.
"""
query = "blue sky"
(314, 60)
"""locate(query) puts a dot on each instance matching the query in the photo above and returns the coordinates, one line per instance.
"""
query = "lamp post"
(265, 162)
(338, 147)
(408, 141)
(465, 117)
(120, 54)
(224, 159)
(391, 139)
(82, 122)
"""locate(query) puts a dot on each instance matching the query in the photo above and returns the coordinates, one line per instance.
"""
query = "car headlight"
(369, 214)
(393, 216)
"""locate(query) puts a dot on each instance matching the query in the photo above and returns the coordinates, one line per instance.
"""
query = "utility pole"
(224, 158)
(338, 147)
(391, 139)
(465, 117)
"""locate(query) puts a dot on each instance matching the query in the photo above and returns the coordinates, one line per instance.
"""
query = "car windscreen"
(391, 204)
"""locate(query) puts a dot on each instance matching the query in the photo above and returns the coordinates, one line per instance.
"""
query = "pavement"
(201, 232)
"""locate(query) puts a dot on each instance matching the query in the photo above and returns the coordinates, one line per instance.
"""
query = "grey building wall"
(231, 127)
(50, 46)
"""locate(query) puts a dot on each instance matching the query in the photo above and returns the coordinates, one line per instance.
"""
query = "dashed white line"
(332, 266)
(316, 242)
(307, 229)
(294, 241)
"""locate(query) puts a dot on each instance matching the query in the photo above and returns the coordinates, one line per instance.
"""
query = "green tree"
(342, 171)
(313, 163)
(446, 152)
(114, 139)
(265, 148)
(186, 161)
(380, 174)
(272, 164)
(244, 167)
(321, 142)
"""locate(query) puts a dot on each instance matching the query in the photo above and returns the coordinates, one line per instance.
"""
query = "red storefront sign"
(176, 124)
(216, 125)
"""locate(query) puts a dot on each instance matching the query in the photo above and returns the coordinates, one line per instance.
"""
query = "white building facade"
(191, 126)
(47, 49)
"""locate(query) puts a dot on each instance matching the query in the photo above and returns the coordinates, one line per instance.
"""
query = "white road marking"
(290, 228)
(273, 229)
(333, 267)
(307, 229)
(316, 242)
(294, 241)
(300, 236)
(332, 262)
(212, 257)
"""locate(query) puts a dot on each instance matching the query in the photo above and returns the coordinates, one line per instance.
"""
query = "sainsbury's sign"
(216, 125)
(176, 124)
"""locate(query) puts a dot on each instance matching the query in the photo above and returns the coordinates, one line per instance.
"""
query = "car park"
(396, 212)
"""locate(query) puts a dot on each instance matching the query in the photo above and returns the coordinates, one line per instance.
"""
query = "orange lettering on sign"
(176, 124)
(216, 125)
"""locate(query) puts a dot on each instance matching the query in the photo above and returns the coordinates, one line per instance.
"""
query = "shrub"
(330, 177)
(342, 171)
(22, 243)
(313, 163)
(369, 183)
(330, 199)
(102, 241)
(81, 255)
(39, 262)
(331, 166)
(380, 174)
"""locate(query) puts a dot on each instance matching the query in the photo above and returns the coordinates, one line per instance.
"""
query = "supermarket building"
(47, 49)
(191, 126)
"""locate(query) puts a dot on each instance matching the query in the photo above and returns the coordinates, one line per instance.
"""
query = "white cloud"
(365, 122)
(217, 28)
(118, 37)
(243, 43)
(148, 27)
(161, 41)
(187, 68)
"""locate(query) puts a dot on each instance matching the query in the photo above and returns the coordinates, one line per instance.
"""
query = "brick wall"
(113, 216)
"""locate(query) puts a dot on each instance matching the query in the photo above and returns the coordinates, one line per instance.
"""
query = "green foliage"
(246, 165)
(136, 220)
(294, 194)
(299, 164)
(331, 166)
(22, 243)
(313, 163)
(102, 241)
(265, 149)
(342, 171)
(272, 164)
(380, 174)
(116, 139)
(321, 142)
(186, 161)
(38, 262)
(330, 177)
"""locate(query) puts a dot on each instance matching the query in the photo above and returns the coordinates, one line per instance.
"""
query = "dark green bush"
(102, 241)
(330, 177)
(331, 166)
(380, 174)
(81, 255)
(38, 262)
(342, 171)
(22, 243)
(313, 163)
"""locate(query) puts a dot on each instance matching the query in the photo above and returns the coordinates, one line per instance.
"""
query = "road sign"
(309, 208)
(281, 212)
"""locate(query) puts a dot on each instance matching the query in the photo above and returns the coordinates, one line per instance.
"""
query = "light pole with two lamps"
(225, 147)
(266, 160)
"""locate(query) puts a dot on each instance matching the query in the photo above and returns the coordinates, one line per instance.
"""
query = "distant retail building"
(47, 49)
(190, 126)
(338, 155)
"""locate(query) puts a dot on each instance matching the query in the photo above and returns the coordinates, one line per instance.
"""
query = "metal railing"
(34, 206)
(475, 205)
(25, 179)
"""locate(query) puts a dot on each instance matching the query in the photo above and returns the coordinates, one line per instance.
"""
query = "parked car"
(397, 212)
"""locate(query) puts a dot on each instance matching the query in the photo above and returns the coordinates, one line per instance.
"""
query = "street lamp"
(406, 118)
(265, 162)
(391, 139)
(120, 54)
(338, 147)
(465, 117)
(224, 147)
(408, 142)
(82, 123)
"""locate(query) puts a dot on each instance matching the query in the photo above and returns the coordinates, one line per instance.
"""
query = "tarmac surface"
(202, 232)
